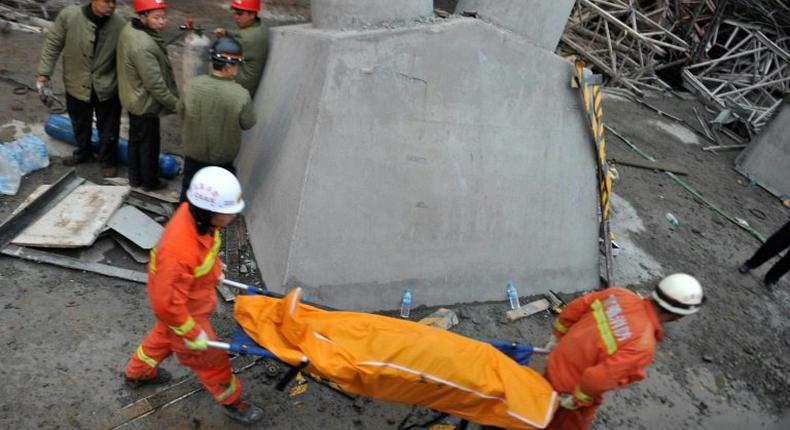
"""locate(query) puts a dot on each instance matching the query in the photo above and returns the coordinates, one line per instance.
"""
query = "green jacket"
(85, 67)
(213, 112)
(255, 47)
(146, 83)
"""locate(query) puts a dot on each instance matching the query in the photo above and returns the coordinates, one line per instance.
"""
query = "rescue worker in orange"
(182, 274)
(606, 339)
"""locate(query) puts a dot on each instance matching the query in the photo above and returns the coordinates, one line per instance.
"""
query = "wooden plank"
(723, 148)
(75, 221)
(136, 226)
(73, 263)
(530, 308)
(167, 195)
(626, 160)
(148, 405)
(163, 398)
(30, 213)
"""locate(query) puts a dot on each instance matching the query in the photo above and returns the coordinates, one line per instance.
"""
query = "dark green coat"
(255, 48)
(146, 83)
(84, 66)
(213, 112)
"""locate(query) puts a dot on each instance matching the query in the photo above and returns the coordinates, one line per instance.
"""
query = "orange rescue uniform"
(182, 274)
(606, 340)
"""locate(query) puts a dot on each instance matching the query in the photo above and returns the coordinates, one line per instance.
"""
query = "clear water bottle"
(512, 296)
(405, 304)
(672, 219)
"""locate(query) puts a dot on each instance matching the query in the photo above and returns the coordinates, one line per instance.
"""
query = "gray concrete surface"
(541, 21)
(448, 158)
(766, 161)
(339, 14)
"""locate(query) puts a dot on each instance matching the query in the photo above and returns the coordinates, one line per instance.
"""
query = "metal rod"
(219, 345)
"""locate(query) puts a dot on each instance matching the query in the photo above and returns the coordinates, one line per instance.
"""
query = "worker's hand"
(567, 401)
(199, 343)
(219, 32)
(45, 93)
(551, 343)
(221, 279)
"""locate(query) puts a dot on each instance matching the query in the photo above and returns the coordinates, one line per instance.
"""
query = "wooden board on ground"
(136, 226)
(75, 221)
(530, 308)
(647, 164)
(167, 195)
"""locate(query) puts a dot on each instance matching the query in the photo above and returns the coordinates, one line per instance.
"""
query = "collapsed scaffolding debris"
(733, 53)
(626, 44)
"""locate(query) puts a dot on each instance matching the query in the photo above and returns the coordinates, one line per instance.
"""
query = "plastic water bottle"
(405, 304)
(512, 295)
(672, 219)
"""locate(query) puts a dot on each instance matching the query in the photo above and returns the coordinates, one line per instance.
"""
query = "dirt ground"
(66, 335)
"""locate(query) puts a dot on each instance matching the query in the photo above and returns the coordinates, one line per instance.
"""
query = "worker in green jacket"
(214, 109)
(147, 88)
(87, 36)
(254, 37)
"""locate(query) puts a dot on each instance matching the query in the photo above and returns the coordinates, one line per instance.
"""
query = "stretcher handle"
(251, 289)
(218, 345)
(541, 351)
(265, 292)
(242, 349)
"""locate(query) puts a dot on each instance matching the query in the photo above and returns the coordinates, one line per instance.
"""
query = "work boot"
(243, 412)
(745, 268)
(158, 185)
(109, 171)
(76, 159)
(770, 284)
(162, 376)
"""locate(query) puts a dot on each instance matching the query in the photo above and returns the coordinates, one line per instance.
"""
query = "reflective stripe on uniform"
(144, 358)
(208, 262)
(152, 261)
(603, 327)
(581, 395)
(231, 389)
(184, 328)
(559, 326)
(197, 344)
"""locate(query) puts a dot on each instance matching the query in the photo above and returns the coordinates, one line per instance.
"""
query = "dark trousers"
(191, 166)
(143, 150)
(778, 241)
(108, 123)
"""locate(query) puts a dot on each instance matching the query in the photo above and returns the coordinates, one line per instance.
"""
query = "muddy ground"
(66, 335)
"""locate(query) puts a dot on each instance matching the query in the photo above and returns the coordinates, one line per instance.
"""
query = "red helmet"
(141, 6)
(248, 5)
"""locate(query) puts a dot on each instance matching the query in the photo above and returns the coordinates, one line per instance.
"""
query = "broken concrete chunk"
(442, 318)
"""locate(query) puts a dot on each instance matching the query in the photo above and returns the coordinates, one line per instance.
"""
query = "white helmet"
(679, 293)
(216, 190)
